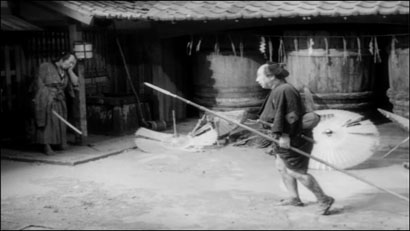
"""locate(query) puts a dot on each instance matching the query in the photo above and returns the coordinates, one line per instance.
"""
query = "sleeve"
(42, 97)
(280, 112)
(293, 113)
(71, 89)
(287, 113)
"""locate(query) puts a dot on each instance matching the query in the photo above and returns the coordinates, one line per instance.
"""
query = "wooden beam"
(80, 108)
(8, 76)
(158, 76)
(65, 9)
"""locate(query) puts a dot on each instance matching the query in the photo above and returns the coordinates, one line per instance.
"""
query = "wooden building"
(206, 51)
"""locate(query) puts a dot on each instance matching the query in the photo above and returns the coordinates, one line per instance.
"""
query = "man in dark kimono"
(284, 108)
(52, 80)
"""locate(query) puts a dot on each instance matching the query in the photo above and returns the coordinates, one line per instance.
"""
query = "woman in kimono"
(52, 81)
(284, 108)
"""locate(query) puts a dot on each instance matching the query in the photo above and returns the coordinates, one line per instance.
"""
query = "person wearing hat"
(284, 109)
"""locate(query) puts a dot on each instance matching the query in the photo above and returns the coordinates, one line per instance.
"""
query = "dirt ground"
(219, 188)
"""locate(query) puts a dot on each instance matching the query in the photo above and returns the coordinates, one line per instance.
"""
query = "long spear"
(274, 140)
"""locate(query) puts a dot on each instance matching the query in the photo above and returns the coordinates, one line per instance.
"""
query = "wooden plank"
(157, 78)
(8, 75)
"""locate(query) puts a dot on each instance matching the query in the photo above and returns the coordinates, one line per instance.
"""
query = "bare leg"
(309, 182)
(290, 183)
(325, 201)
(47, 150)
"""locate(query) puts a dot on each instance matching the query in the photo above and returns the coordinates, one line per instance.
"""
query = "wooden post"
(158, 77)
(80, 112)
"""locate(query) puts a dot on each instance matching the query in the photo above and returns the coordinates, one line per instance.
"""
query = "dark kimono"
(50, 96)
(285, 109)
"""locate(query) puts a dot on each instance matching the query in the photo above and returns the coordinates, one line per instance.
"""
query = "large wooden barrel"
(340, 84)
(225, 82)
(337, 79)
(398, 91)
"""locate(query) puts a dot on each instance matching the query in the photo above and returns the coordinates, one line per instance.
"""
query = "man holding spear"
(285, 109)
(325, 206)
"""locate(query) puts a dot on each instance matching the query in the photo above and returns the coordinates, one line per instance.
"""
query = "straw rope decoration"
(189, 46)
(373, 46)
(198, 45)
(262, 46)
(295, 43)
(283, 51)
(344, 51)
(393, 50)
(376, 51)
(359, 50)
(216, 46)
(232, 45)
(327, 51)
(310, 45)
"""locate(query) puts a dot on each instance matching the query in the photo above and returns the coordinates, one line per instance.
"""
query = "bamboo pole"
(139, 110)
(395, 147)
(174, 123)
(274, 140)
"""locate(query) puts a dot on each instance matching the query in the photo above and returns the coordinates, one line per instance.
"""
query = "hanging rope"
(189, 46)
(376, 51)
(198, 45)
(359, 50)
(232, 45)
(393, 50)
(310, 46)
(262, 46)
(327, 51)
(216, 46)
(283, 51)
(371, 46)
(344, 51)
(295, 43)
